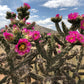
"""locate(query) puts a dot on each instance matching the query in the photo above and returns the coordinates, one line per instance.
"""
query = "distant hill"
(43, 29)
(2, 28)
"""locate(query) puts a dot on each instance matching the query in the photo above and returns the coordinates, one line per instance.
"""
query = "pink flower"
(27, 5)
(14, 26)
(6, 26)
(2, 30)
(72, 16)
(81, 38)
(12, 20)
(58, 46)
(59, 51)
(57, 15)
(48, 34)
(71, 38)
(75, 33)
(28, 36)
(8, 36)
(15, 29)
(41, 41)
(28, 24)
(24, 20)
(12, 12)
(36, 35)
(32, 28)
(25, 31)
(23, 47)
(82, 15)
(82, 24)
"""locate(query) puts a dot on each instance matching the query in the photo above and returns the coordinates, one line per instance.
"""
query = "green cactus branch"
(59, 56)
(27, 60)
(74, 27)
(59, 29)
(6, 45)
(37, 77)
(58, 41)
(65, 29)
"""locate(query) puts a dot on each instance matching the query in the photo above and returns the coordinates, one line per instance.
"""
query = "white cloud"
(66, 23)
(34, 10)
(32, 0)
(74, 8)
(46, 23)
(33, 16)
(60, 3)
(3, 10)
(62, 9)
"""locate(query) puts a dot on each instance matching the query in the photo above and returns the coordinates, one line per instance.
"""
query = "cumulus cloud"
(34, 10)
(3, 10)
(62, 9)
(75, 8)
(60, 3)
(42, 22)
(49, 24)
(32, 0)
(33, 16)
(66, 22)
(46, 23)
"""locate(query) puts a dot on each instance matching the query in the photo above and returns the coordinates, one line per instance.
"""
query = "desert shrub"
(45, 58)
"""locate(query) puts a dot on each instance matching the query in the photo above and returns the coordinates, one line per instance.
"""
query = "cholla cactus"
(42, 57)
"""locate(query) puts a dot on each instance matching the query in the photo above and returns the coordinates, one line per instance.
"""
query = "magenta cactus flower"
(14, 26)
(25, 31)
(3, 30)
(59, 46)
(82, 24)
(57, 15)
(41, 41)
(24, 20)
(16, 29)
(81, 38)
(27, 5)
(8, 36)
(6, 26)
(75, 33)
(48, 34)
(36, 35)
(82, 15)
(72, 16)
(23, 47)
(59, 51)
(28, 24)
(12, 12)
(71, 38)
(29, 36)
(33, 28)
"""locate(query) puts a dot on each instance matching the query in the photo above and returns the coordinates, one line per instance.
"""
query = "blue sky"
(42, 10)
